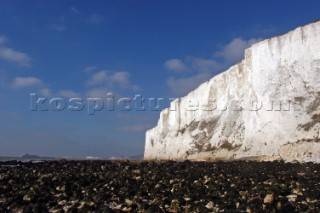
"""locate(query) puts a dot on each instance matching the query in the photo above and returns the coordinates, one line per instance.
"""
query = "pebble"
(269, 198)
(292, 198)
(210, 205)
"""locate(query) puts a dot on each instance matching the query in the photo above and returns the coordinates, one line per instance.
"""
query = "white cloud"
(121, 78)
(204, 69)
(234, 51)
(104, 82)
(98, 78)
(45, 92)
(205, 65)
(21, 82)
(110, 80)
(12, 55)
(69, 94)
(180, 86)
(89, 69)
(3, 40)
(175, 65)
(95, 19)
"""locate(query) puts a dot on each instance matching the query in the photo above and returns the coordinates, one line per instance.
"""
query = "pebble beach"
(159, 186)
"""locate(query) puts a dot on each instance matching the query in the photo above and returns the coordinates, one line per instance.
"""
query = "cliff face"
(267, 106)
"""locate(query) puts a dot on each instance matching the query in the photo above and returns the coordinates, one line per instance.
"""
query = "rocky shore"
(164, 186)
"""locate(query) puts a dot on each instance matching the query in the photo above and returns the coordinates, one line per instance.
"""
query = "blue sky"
(85, 49)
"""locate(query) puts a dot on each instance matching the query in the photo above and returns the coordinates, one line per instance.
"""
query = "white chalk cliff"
(266, 107)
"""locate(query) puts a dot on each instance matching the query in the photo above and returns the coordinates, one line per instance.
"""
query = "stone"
(210, 205)
(26, 198)
(292, 198)
(269, 198)
(266, 107)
